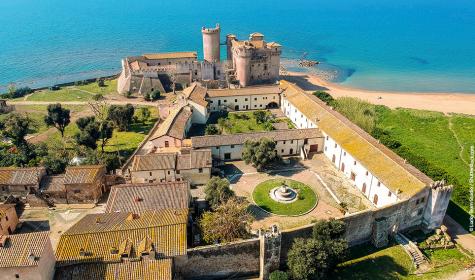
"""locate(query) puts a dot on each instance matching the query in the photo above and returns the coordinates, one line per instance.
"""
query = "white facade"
(356, 173)
(243, 102)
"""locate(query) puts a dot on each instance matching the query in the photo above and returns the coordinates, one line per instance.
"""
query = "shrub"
(155, 95)
(324, 96)
(97, 97)
(278, 275)
(101, 83)
(17, 92)
(211, 130)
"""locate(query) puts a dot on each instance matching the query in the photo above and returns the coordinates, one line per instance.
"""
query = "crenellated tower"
(211, 43)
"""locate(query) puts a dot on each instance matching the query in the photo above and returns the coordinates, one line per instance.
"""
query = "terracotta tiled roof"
(253, 90)
(175, 161)
(108, 237)
(21, 176)
(23, 249)
(154, 162)
(197, 94)
(174, 124)
(138, 198)
(147, 269)
(83, 174)
(53, 183)
(240, 138)
(4, 208)
(388, 167)
(170, 55)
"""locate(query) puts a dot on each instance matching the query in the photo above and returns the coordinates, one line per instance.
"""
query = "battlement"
(214, 30)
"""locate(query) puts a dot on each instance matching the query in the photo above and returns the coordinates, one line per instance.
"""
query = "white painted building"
(306, 111)
(290, 142)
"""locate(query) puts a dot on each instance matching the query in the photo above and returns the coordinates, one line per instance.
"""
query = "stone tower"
(437, 202)
(242, 63)
(229, 45)
(211, 43)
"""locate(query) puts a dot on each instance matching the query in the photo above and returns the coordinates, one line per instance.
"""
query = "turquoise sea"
(404, 45)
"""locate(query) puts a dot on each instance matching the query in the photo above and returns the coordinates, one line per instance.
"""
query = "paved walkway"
(460, 235)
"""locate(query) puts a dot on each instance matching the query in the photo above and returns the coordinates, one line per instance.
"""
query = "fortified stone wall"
(233, 260)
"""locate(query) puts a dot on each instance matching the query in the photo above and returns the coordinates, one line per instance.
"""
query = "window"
(178, 172)
(389, 194)
(6, 218)
(363, 189)
(335, 145)
(77, 191)
(235, 100)
(282, 151)
(17, 275)
(422, 200)
(305, 142)
(419, 212)
(327, 137)
(211, 101)
(344, 153)
(168, 172)
(200, 170)
(255, 98)
(354, 162)
(167, 144)
(417, 201)
(26, 188)
(353, 176)
(367, 173)
(245, 99)
(284, 142)
(232, 146)
(225, 100)
(375, 199)
(342, 167)
(378, 184)
(325, 148)
(150, 173)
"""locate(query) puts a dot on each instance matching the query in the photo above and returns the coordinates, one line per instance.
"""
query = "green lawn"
(307, 199)
(367, 262)
(73, 93)
(241, 123)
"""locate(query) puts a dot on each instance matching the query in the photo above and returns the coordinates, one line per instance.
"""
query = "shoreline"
(460, 103)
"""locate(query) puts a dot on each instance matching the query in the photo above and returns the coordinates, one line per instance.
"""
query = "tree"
(15, 128)
(121, 116)
(144, 114)
(88, 132)
(260, 152)
(260, 116)
(229, 221)
(217, 191)
(155, 95)
(58, 117)
(101, 83)
(278, 275)
(324, 96)
(315, 257)
(105, 133)
(211, 130)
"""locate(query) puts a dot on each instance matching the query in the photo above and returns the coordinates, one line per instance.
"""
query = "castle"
(248, 62)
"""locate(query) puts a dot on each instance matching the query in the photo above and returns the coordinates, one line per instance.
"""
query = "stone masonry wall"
(237, 259)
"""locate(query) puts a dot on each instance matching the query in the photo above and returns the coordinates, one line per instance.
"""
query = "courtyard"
(328, 184)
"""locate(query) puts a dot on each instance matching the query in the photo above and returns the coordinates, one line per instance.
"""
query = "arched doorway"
(342, 167)
(363, 189)
(272, 105)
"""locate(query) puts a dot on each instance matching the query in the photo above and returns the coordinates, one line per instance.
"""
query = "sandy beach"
(442, 102)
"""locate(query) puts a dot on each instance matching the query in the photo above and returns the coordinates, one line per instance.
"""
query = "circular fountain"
(283, 194)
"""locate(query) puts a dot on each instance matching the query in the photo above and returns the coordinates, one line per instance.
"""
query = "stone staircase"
(418, 259)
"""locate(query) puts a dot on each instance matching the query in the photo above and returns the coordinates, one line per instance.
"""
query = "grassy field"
(307, 199)
(435, 143)
(72, 93)
(367, 262)
(123, 141)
